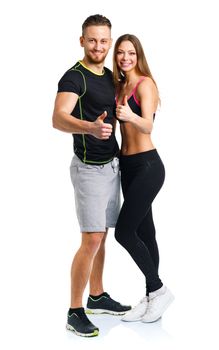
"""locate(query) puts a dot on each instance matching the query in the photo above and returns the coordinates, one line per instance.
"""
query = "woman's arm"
(147, 94)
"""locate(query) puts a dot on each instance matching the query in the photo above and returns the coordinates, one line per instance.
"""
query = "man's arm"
(64, 121)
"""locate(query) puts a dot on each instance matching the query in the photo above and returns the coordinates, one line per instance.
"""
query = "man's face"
(96, 42)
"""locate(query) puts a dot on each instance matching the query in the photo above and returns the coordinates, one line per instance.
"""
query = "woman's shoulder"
(145, 81)
(146, 84)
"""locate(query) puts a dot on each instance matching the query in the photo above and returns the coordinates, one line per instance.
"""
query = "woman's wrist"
(133, 118)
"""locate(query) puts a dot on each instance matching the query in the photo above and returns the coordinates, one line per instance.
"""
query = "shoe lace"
(152, 305)
(142, 301)
(114, 302)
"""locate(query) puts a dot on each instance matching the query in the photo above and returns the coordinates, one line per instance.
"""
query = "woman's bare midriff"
(134, 141)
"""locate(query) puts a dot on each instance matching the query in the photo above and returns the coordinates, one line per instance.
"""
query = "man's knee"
(92, 241)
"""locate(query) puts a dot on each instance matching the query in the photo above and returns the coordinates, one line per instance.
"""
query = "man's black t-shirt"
(96, 94)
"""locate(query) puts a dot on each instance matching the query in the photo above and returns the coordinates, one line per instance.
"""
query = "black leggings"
(142, 176)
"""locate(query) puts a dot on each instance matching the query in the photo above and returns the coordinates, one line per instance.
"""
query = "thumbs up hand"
(102, 116)
(124, 112)
(100, 129)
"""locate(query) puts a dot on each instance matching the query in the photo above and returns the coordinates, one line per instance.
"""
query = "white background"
(39, 230)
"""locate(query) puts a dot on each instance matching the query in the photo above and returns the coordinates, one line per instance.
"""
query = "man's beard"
(96, 60)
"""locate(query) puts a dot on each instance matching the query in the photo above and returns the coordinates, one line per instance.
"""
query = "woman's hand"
(124, 112)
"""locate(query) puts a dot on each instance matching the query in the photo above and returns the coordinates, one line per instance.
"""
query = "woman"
(142, 172)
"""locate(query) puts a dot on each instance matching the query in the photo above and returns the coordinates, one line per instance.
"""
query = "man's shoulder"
(108, 71)
(74, 71)
(73, 74)
(72, 81)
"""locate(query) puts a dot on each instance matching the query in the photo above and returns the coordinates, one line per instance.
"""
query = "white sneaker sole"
(131, 320)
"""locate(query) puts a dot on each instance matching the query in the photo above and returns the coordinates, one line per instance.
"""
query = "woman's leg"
(146, 232)
(145, 183)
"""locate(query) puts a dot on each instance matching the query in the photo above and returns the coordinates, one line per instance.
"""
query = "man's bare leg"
(82, 266)
(96, 276)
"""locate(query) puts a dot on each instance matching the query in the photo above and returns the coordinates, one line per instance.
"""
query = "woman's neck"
(131, 78)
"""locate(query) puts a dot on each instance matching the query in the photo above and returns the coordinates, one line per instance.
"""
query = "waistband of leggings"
(138, 158)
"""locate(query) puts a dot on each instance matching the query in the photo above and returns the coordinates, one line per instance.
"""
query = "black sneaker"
(81, 325)
(105, 305)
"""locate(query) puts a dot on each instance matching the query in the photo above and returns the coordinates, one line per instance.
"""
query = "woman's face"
(126, 56)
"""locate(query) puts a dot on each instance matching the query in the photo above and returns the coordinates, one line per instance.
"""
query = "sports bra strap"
(136, 86)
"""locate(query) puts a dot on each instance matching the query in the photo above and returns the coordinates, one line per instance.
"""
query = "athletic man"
(84, 106)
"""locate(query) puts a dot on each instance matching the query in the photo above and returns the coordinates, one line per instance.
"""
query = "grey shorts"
(97, 194)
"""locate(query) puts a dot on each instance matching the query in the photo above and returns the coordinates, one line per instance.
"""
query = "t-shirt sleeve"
(72, 81)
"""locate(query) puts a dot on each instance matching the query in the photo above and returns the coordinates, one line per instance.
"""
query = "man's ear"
(111, 42)
(81, 41)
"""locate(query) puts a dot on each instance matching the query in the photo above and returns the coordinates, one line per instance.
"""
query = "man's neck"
(94, 67)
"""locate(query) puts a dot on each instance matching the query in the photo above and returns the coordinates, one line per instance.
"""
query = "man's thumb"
(103, 116)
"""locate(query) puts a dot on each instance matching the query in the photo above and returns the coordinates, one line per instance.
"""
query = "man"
(84, 107)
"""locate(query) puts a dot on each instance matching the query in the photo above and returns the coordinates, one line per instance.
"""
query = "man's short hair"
(96, 20)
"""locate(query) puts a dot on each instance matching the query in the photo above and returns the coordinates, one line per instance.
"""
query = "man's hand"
(100, 129)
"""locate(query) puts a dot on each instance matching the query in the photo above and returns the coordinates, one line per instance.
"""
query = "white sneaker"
(137, 312)
(158, 303)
